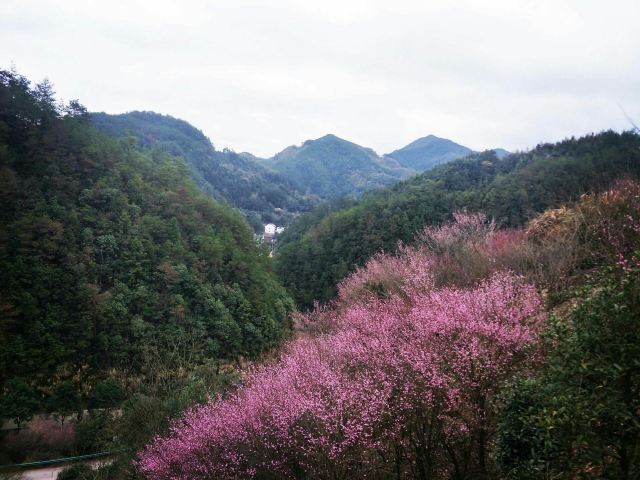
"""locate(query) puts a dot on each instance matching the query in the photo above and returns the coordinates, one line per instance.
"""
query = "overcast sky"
(260, 75)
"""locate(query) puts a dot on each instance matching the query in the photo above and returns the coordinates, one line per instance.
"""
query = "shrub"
(106, 394)
(580, 417)
(65, 401)
(23, 445)
(93, 433)
(20, 402)
(56, 437)
(43, 438)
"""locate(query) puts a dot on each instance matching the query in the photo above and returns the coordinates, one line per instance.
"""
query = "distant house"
(269, 229)
(269, 232)
(279, 230)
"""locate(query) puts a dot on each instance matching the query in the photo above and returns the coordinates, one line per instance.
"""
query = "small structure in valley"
(269, 232)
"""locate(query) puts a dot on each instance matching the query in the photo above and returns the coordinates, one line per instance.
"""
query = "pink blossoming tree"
(398, 381)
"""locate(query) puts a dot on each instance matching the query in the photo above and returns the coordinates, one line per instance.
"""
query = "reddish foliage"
(43, 438)
(53, 434)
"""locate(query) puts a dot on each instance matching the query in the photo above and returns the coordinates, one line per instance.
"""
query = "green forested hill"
(108, 252)
(261, 194)
(322, 249)
(332, 167)
(429, 151)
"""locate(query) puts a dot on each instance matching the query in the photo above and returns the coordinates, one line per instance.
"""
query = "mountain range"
(320, 248)
(240, 179)
(331, 166)
(279, 188)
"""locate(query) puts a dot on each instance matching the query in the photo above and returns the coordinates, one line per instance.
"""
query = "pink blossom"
(399, 382)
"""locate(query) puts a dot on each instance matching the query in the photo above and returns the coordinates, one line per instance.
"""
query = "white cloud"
(258, 76)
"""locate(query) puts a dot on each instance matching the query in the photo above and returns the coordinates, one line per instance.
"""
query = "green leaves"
(108, 252)
(65, 401)
(20, 402)
(581, 414)
(106, 394)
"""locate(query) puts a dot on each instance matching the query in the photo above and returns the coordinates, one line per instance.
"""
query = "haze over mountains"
(290, 182)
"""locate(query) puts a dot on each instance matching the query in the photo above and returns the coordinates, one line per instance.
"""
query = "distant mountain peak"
(429, 151)
(331, 136)
(332, 166)
(500, 152)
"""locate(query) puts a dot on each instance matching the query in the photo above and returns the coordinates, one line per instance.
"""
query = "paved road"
(47, 473)
(51, 473)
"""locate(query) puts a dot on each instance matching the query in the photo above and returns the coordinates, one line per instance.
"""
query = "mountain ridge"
(240, 179)
(318, 250)
(107, 250)
(429, 151)
(292, 181)
(331, 166)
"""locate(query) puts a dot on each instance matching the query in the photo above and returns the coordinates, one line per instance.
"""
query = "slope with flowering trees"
(397, 377)
(438, 361)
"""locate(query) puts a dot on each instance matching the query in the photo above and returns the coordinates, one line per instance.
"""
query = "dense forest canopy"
(109, 253)
(323, 249)
(263, 195)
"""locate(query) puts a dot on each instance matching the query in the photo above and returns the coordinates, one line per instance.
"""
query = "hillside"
(477, 353)
(142, 316)
(429, 151)
(331, 167)
(261, 194)
(113, 263)
(510, 190)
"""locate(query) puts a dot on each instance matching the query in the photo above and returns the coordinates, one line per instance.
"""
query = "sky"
(260, 75)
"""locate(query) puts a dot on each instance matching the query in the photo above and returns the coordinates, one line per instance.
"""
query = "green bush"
(65, 401)
(581, 416)
(106, 394)
(20, 402)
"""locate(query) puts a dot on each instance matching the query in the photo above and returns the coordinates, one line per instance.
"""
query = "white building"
(269, 230)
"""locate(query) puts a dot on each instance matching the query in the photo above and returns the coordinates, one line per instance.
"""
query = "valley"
(324, 313)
